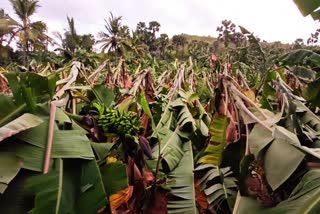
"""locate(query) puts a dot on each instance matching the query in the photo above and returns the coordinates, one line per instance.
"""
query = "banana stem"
(53, 108)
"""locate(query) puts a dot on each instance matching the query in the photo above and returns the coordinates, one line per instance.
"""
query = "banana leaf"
(281, 160)
(10, 165)
(68, 188)
(66, 144)
(218, 191)
(259, 138)
(304, 198)
(103, 94)
(214, 151)
(114, 177)
(170, 148)
(171, 141)
(308, 7)
(25, 121)
(301, 57)
(11, 110)
(40, 88)
(183, 188)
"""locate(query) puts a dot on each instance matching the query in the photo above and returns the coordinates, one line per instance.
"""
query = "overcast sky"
(272, 20)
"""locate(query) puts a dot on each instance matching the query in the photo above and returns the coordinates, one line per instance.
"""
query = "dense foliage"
(153, 124)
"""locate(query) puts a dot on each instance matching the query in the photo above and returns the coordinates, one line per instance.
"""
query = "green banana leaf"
(145, 107)
(170, 148)
(171, 141)
(281, 160)
(10, 165)
(103, 94)
(312, 92)
(301, 57)
(259, 138)
(308, 7)
(66, 144)
(183, 188)
(101, 149)
(218, 191)
(68, 189)
(303, 72)
(25, 121)
(11, 110)
(114, 177)
(37, 88)
(281, 157)
(214, 151)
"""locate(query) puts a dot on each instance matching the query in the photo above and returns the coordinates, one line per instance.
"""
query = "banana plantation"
(156, 125)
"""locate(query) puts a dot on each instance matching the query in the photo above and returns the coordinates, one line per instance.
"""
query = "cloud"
(272, 20)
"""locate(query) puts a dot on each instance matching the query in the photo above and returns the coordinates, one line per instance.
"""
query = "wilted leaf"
(303, 199)
(159, 203)
(250, 94)
(201, 198)
(119, 198)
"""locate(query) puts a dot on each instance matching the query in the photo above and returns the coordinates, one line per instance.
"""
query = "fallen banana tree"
(188, 142)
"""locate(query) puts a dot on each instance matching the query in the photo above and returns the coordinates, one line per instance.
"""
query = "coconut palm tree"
(6, 26)
(31, 35)
(116, 39)
(71, 42)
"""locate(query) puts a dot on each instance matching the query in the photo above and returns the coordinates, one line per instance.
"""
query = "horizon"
(285, 24)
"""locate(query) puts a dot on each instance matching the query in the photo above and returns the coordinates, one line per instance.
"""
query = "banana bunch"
(112, 121)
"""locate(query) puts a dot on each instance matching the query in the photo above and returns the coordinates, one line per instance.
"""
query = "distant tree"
(6, 29)
(86, 42)
(31, 35)
(179, 40)
(154, 27)
(314, 37)
(72, 42)
(141, 26)
(138, 47)
(298, 43)
(116, 39)
(147, 35)
(163, 42)
(228, 34)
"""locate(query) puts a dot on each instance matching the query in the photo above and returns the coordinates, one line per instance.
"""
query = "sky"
(271, 20)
